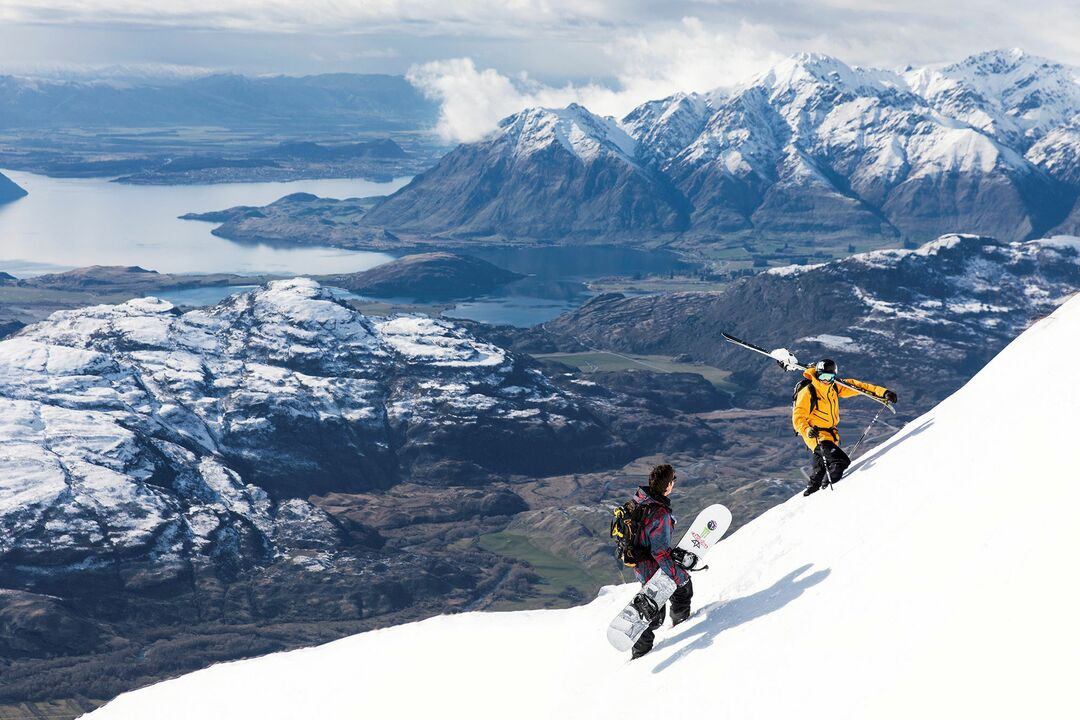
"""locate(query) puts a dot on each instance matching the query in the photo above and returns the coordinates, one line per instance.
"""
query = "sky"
(487, 58)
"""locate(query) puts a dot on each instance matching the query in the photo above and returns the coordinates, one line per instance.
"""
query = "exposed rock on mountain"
(1010, 95)
(543, 173)
(171, 477)
(920, 321)
(810, 151)
(427, 276)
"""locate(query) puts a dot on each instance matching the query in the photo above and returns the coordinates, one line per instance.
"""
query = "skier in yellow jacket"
(816, 413)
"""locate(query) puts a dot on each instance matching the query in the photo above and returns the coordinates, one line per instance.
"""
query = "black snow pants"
(828, 453)
(680, 610)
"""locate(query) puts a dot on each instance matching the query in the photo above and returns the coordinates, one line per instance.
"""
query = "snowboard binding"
(686, 560)
(645, 606)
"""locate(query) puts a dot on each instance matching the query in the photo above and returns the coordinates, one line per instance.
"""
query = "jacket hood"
(645, 496)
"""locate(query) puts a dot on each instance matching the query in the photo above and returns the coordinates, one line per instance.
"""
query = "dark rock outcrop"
(919, 321)
(427, 277)
(544, 174)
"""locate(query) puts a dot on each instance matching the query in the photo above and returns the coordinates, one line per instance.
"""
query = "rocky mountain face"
(168, 477)
(812, 150)
(9, 190)
(919, 321)
(543, 173)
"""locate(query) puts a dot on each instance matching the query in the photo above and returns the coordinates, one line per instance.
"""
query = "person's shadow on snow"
(867, 461)
(724, 615)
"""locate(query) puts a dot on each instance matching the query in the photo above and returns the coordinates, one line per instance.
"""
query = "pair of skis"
(789, 361)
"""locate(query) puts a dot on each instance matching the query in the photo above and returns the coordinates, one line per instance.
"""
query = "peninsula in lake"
(9, 190)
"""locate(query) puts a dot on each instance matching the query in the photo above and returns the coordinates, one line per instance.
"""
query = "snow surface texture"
(136, 430)
(937, 581)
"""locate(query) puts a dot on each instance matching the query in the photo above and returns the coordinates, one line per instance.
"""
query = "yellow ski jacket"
(825, 413)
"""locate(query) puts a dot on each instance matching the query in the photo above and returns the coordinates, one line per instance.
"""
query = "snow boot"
(680, 603)
(811, 489)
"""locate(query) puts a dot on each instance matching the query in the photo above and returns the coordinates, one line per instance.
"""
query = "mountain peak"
(1009, 94)
(579, 131)
(803, 71)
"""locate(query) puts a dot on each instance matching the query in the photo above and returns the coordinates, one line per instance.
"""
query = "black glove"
(684, 558)
(812, 432)
(890, 397)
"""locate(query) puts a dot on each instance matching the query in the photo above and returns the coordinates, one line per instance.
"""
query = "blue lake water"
(65, 223)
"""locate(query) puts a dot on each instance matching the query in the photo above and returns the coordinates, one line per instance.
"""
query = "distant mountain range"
(812, 151)
(373, 102)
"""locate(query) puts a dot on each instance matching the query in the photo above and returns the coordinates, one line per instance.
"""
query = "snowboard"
(703, 534)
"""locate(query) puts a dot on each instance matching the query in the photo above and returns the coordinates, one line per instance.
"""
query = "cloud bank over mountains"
(486, 59)
(686, 58)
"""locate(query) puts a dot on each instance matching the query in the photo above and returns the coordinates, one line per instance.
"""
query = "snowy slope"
(1010, 95)
(937, 581)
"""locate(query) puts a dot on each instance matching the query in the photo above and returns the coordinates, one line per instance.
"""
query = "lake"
(66, 223)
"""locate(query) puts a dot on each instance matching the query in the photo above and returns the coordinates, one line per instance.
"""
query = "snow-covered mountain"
(921, 321)
(134, 432)
(1008, 94)
(936, 581)
(169, 480)
(543, 168)
(812, 149)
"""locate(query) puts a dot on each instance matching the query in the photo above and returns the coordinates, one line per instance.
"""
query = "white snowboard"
(704, 532)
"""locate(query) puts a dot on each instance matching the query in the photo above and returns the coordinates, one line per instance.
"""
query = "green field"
(599, 360)
(558, 574)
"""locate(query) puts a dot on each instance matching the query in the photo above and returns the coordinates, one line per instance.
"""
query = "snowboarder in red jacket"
(655, 537)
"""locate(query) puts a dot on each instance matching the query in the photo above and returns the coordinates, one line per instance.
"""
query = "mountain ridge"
(810, 148)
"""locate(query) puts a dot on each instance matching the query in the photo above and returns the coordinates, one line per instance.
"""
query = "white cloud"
(501, 17)
(642, 48)
(686, 58)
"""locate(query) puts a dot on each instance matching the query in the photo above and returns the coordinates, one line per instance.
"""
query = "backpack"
(626, 525)
(805, 382)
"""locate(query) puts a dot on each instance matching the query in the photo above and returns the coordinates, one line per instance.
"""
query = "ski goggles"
(826, 377)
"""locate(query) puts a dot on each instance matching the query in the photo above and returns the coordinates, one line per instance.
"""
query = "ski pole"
(874, 420)
(828, 475)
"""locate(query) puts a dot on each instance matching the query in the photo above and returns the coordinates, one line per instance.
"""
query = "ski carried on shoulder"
(785, 358)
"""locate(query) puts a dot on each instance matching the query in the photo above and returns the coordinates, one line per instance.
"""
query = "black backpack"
(626, 525)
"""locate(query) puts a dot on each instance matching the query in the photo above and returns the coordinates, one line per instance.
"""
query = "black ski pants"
(680, 610)
(828, 454)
